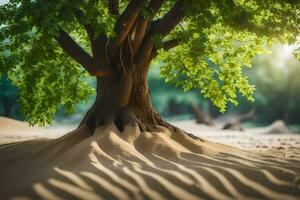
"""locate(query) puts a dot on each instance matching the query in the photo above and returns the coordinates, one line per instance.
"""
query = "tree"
(202, 44)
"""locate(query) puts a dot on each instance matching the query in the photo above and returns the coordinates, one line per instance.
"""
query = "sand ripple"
(141, 165)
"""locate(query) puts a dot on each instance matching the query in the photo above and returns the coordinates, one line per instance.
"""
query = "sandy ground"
(258, 138)
(252, 138)
(141, 165)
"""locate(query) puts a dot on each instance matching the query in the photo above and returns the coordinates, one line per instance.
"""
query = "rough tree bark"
(123, 100)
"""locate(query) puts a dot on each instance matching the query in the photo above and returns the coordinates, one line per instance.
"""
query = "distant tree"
(201, 117)
(202, 44)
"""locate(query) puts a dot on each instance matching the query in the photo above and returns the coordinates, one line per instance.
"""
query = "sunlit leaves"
(48, 82)
(223, 38)
(47, 78)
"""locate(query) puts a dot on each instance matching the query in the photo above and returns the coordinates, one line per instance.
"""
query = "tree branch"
(166, 24)
(126, 20)
(142, 23)
(139, 33)
(162, 27)
(81, 56)
(97, 42)
(89, 30)
(167, 45)
(113, 6)
(154, 6)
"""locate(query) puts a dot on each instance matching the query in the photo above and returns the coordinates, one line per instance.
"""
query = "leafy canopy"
(216, 39)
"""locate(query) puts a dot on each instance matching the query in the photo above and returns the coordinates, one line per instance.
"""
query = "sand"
(141, 165)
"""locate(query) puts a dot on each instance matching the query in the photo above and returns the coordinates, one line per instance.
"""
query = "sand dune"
(141, 165)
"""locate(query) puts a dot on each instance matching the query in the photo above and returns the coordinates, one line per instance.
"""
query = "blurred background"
(275, 75)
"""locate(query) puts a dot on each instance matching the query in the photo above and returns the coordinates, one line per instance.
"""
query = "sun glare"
(282, 55)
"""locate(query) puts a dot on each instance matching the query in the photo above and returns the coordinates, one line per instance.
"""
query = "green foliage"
(277, 94)
(46, 76)
(296, 52)
(217, 38)
(220, 38)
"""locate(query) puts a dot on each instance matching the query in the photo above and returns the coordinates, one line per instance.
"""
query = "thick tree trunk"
(123, 100)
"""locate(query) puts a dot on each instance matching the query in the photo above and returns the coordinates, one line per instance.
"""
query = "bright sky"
(3, 2)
